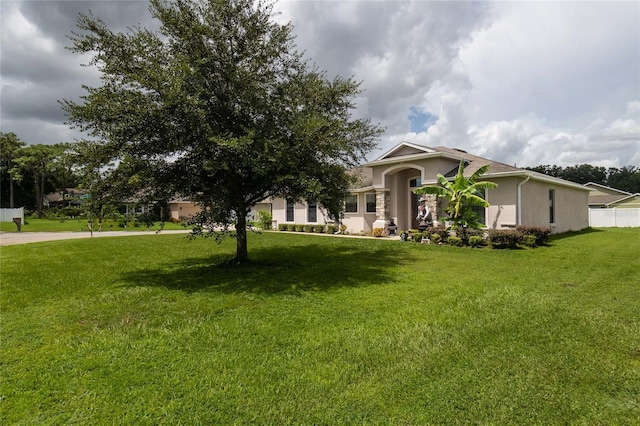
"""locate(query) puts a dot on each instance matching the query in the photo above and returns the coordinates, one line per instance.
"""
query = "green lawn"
(318, 330)
(77, 225)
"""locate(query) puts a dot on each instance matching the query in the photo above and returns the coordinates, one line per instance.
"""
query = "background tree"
(10, 145)
(38, 162)
(626, 178)
(220, 107)
(462, 194)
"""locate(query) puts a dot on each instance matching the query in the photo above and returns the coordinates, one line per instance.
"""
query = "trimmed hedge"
(318, 229)
(505, 238)
(539, 232)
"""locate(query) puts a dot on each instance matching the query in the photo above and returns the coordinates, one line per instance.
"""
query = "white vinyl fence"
(7, 215)
(611, 218)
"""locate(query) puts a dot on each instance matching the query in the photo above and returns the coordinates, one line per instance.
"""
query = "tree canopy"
(10, 145)
(626, 178)
(219, 106)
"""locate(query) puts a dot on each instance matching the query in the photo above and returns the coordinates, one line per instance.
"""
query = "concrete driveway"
(12, 238)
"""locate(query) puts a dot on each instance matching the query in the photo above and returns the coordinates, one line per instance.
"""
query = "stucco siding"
(181, 210)
(570, 207)
(361, 221)
(502, 210)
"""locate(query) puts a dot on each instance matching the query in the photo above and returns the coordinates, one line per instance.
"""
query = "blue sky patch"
(420, 120)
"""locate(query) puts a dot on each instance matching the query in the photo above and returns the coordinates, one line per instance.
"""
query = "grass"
(76, 225)
(318, 330)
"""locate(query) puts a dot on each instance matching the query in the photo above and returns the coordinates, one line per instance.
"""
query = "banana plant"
(463, 193)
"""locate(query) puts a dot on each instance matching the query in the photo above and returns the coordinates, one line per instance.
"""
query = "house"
(68, 197)
(610, 207)
(523, 197)
(604, 197)
(180, 208)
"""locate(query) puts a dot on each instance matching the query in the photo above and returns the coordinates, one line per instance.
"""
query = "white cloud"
(520, 82)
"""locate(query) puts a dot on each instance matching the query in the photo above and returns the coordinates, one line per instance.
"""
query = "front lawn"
(321, 330)
(78, 225)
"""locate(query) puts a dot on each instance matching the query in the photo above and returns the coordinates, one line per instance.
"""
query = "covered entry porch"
(396, 201)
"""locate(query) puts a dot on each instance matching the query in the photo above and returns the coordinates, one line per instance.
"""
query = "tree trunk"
(11, 204)
(242, 255)
(39, 188)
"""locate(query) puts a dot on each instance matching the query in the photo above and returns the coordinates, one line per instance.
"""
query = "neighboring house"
(180, 208)
(610, 207)
(69, 197)
(604, 197)
(523, 197)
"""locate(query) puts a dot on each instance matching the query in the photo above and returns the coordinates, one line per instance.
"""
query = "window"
(351, 204)
(552, 206)
(479, 210)
(312, 212)
(290, 210)
(415, 183)
(371, 203)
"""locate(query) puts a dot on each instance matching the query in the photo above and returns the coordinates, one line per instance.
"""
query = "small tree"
(264, 219)
(462, 194)
(37, 161)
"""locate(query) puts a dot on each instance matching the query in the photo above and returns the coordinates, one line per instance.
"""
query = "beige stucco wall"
(571, 206)
(279, 213)
(180, 210)
(503, 200)
(429, 168)
(360, 221)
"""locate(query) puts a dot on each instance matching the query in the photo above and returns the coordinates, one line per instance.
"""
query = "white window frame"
(366, 203)
(357, 204)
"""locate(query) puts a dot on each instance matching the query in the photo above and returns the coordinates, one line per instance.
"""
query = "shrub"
(307, 228)
(436, 238)
(540, 232)
(332, 229)
(264, 219)
(291, 227)
(434, 230)
(417, 236)
(505, 238)
(529, 240)
(299, 228)
(71, 212)
(477, 241)
(377, 232)
(455, 241)
(148, 219)
(319, 229)
(282, 226)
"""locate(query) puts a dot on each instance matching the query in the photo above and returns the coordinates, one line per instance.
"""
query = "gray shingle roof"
(474, 163)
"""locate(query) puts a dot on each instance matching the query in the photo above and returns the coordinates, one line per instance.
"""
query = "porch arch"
(385, 172)
(399, 199)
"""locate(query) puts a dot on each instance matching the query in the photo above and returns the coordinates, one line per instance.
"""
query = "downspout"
(520, 199)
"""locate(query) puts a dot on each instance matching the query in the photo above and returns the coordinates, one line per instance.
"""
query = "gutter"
(519, 221)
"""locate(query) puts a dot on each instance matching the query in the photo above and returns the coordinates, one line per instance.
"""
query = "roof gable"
(473, 163)
(602, 189)
(405, 149)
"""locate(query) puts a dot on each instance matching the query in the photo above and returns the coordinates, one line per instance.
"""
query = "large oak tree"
(219, 106)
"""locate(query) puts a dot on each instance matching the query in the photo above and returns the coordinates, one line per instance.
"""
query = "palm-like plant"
(462, 194)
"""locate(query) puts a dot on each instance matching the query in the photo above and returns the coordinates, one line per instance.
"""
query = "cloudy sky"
(525, 83)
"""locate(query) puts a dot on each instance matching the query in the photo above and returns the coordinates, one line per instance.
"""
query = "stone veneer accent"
(382, 205)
